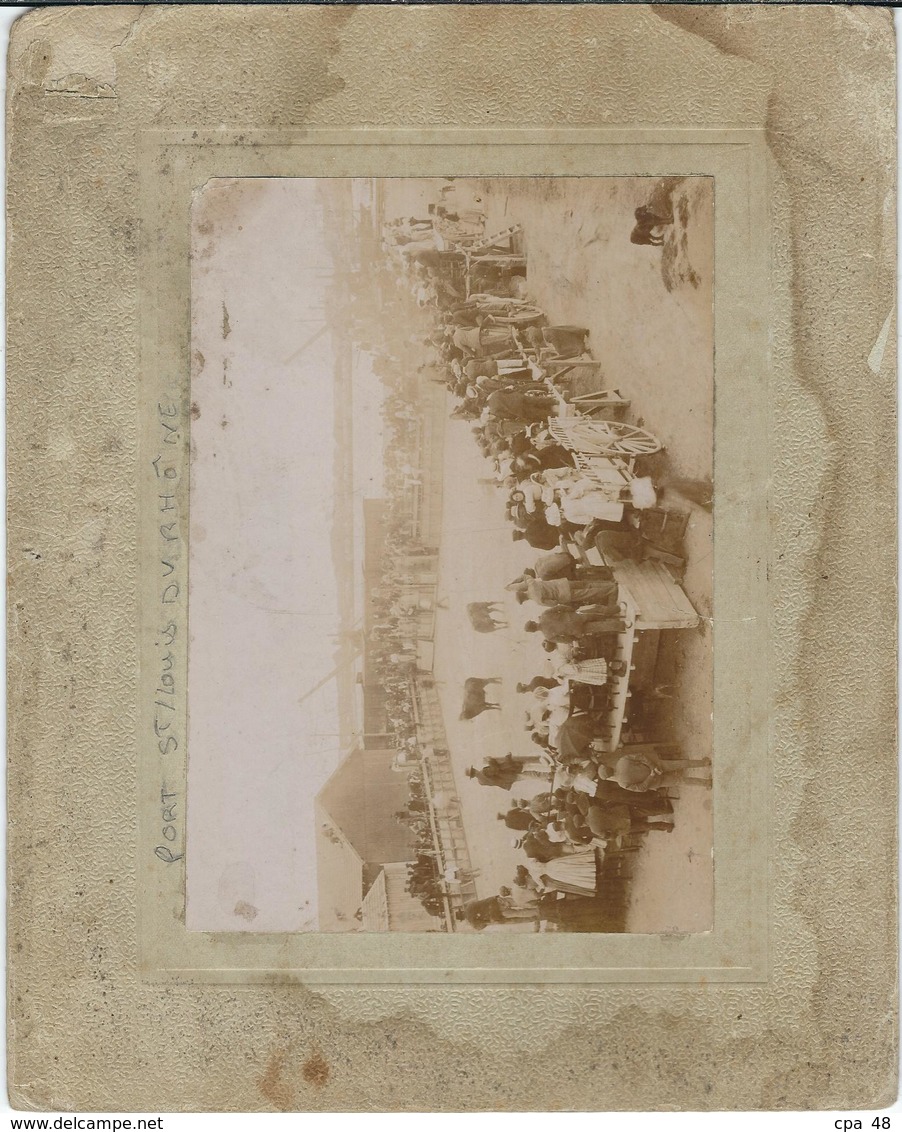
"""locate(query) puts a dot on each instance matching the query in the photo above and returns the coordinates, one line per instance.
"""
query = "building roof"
(339, 876)
(357, 833)
(361, 797)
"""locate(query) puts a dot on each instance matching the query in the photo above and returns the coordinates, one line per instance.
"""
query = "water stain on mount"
(315, 1070)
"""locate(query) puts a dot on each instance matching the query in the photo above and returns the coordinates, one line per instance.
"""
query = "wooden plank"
(662, 603)
(681, 605)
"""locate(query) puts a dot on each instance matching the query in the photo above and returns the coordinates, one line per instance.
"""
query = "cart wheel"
(527, 316)
(616, 438)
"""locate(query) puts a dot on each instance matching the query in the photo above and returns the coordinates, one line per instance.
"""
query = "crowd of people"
(493, 349)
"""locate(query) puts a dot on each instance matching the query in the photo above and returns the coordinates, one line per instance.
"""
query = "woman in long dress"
(593, 671)
(577, 873)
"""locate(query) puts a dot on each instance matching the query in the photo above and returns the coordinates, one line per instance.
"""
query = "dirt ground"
(649, 312)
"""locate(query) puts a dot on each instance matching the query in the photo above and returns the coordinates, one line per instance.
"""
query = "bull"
(482, 616)
(475, 702)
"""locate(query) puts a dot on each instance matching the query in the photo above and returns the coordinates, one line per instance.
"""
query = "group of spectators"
(490, 349)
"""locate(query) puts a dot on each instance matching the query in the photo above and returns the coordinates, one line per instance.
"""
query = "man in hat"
(563, 625)
(557, 564)
(497, 772)
(563, 591)
(560, 564)
(537, 846)
(540, 534)
(526, 401)
(480, 913)
(517, 818)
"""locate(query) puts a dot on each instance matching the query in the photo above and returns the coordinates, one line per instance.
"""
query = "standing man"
(563, 591)
(562, 625)
(499, 772)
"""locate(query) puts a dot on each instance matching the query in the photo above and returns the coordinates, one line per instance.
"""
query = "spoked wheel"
(521, 319)
(630, 440)
(609, 438)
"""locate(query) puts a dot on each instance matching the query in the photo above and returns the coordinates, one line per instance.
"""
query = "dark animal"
(482, 616)
(640, 235)
(647, 220)
(474, 697)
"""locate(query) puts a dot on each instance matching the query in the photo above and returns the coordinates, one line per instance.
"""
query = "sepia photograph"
(444, 673)
(452, 560)
(450, 650)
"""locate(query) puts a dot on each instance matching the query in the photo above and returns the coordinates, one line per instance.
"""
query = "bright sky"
(263, 600)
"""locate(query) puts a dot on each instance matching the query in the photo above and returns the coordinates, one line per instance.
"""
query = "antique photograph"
(450, 653)
(452, 559)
